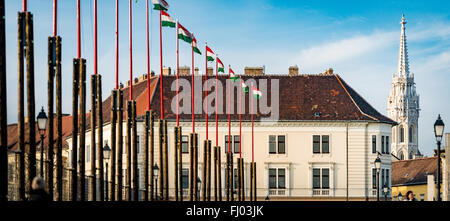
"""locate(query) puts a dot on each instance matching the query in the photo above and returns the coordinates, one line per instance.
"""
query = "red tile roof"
(413, 172)
(301, 97)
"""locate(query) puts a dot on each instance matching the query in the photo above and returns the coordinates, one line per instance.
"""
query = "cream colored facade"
(350, 159)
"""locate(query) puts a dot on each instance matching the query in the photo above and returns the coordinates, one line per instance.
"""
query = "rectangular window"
(281, 179)
(374, 178)
(316, 144)
(88, 153)
(185, 144)
(237, 141)
(235, 178)
(383, 178)
(272, 144)
(138, 147)
(326, 144)
(325, 178)
(316, 178)
(388, 177)
(185, 179)
(388, 149)
(374, 143)
(227, 142)
(272, 178)
(281, 144)
(383, 151)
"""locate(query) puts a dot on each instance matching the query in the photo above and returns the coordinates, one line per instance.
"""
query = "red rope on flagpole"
(161, 64)
(178, 68)
(240, 120)
(95, 39)
(131, 51)
(206, 90)
(253, 141)
(193, 91)
(217, 108)
(117, 44)
(55, 18)
(229, 110)
(24, 5)
(148, 59)
(78, 29)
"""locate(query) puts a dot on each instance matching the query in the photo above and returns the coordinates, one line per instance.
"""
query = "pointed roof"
(403, 63)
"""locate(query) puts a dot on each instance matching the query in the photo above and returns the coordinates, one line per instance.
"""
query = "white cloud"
(344, 50)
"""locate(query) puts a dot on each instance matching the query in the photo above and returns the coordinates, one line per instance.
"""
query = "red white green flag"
(195, 47)
(166, 20)
(160, 5)
(244, 87)
(210, 56)
(184, 34)
(220, 67)
(257, 93)
(233, 76)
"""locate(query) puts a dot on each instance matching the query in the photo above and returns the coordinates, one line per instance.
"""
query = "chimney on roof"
(185, 71)
(328, 72)
(210, 71)
(167, 71)
(293, 70)
(254, 71)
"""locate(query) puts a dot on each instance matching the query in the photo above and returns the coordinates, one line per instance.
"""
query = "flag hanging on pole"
(244, 87)
(233, 76)
(210, 54)
(220, 68)
(257, 93)
(195, 47)
(166, 20)
(160, 5)
(184, 34)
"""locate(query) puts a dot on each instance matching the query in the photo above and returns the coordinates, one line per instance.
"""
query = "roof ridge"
(425, 158)
(354, 102)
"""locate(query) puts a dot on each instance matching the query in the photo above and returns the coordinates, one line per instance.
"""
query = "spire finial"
(403, 64)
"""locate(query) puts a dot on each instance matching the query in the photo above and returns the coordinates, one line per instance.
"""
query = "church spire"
(403, 63)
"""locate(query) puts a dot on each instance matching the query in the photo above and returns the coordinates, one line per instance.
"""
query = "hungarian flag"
(210, 56)
(220, 67)
(166, 20)
(257, 93)
(160, 5)
(233, 76)
(244, 87)
(195, 47)
(184, 34)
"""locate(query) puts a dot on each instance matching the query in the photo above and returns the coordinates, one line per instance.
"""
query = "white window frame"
(276, 145)
(320, 144)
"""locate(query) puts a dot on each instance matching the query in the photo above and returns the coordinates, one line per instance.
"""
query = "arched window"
(401, 156)
(411, 134)
(402, 134)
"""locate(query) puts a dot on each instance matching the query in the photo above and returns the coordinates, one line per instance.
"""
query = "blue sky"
(358, 39)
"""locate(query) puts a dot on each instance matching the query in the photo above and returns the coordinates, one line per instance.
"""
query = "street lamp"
(267, 198)
(106, 155)
(378, 167)
(155, 169)
(438, 132)
(400, 197)
(42, 126)
(385, 191)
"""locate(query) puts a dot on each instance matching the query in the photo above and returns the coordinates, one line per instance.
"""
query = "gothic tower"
(403, 106)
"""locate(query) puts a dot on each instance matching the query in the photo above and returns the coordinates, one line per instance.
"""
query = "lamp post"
(155, 169)
(42, 126)
(106, 156)
(378, 167)
(385, 191)
(400, 197)
(438, 132)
